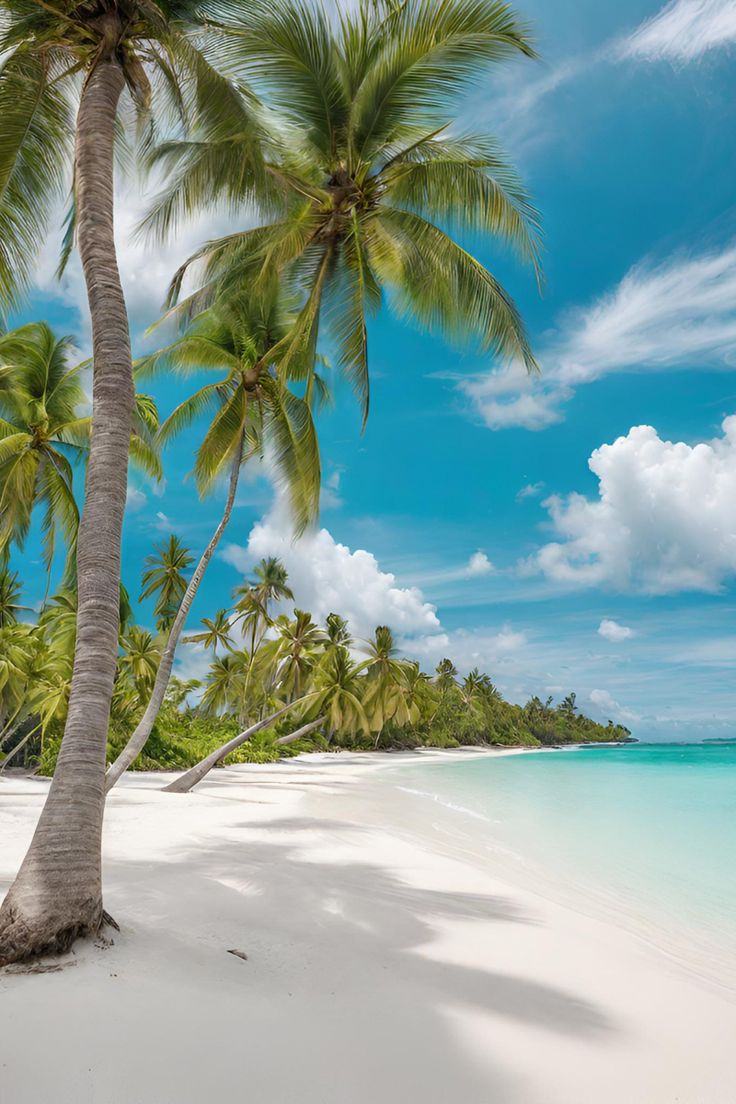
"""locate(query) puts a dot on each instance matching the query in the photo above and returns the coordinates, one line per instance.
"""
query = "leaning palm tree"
(372, 175)
(164, 577)
(253, 413)
(59, 59)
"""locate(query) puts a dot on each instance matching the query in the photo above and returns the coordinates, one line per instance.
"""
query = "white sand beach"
(380, 965)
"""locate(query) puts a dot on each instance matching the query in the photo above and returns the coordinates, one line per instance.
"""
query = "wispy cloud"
(679, 313)
(683, 31)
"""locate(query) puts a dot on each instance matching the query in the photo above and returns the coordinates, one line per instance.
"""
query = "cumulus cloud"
(611, 630)
(327, 576)
(683, 31)
(679, 313)
(478, 564)
(610, 708)
(664, 519)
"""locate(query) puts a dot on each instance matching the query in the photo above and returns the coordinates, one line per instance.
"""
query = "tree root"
(25, 939)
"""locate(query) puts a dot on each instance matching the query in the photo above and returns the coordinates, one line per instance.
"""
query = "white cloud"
(610, 708)
(677, 314)
(162, 522)
(135, 499)
(478, 564)
(327, 576)
(613, 631)
(683, 31)
(531, 490)
(664, 519)
(145, 270)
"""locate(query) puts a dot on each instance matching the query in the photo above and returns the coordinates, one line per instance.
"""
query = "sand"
(381, 967)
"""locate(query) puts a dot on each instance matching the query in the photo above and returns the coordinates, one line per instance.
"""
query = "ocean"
(643, 835)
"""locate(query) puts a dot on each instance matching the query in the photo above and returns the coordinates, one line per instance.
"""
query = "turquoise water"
(646, 833)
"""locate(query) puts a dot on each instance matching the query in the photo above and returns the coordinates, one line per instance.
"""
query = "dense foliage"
(362, 693)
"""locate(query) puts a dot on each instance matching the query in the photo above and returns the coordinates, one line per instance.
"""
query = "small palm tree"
(140, 658)
(164, 577)
(445, 675)
(338, 691)
(383, 698)
(11, 590)
(300, 642)
(253, 598)
(369, 174)
(215, 633)
(337, 631)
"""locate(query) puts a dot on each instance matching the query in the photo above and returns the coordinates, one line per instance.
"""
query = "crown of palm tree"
(216, 632)
(44, 434)
(371, 179)
(337, 694)
(164, 576)
(252, 412)
(46, 50)
(11, 590)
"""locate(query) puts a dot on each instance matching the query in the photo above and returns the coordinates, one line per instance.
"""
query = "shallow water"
(643, 833)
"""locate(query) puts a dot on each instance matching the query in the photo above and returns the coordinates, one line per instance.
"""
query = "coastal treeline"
(328, 138)
(314, 685)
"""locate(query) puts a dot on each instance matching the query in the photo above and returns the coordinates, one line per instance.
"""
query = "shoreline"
(379, 965)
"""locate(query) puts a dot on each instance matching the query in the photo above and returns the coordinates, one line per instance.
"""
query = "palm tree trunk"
(137, 741)
(57, 895)
(196, 773)
(303, 731)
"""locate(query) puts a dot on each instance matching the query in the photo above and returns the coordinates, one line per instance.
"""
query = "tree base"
(24, 937)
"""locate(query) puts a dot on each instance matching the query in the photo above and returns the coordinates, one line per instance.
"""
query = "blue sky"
(470, 515)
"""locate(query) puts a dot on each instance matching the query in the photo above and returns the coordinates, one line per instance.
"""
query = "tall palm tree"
(372, 178)
(252, 412)
(164, 577)
(58, 57)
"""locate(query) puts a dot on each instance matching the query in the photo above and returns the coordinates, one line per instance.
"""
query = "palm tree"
(446, 675)
(383, 699)
(140, 659)
(216, 632)
(300, 641)
(10, 594)
(252, 411)
(164, 577)
(369, 174)
(56, 57)
(337, 631)
(40, 400)
(252, 599)
(337, 695)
